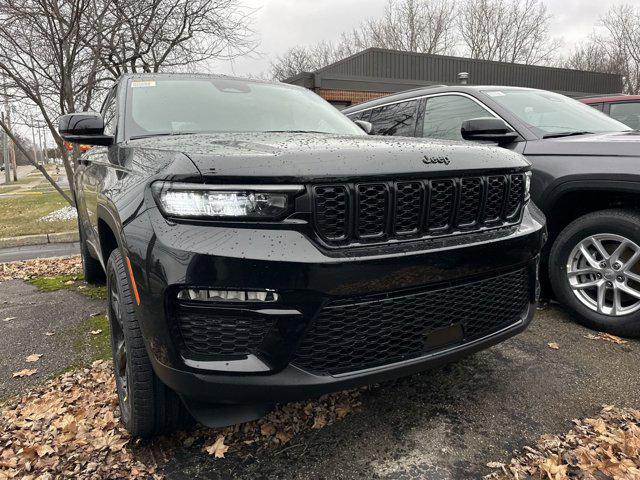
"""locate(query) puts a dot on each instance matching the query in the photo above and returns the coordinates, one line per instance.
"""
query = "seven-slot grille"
(360, 212)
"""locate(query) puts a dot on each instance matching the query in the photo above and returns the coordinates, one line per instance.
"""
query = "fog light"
(228, 295)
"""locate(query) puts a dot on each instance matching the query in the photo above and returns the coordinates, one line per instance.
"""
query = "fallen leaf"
(49, 334)
(612, 338)
(96, 332)
(284, 437)
(319, 422)
(218, 449)
(24, 373)
(8, 319)
(553, 345)
(495, 465)
(267, 429)
(43, 450)
(33, 358)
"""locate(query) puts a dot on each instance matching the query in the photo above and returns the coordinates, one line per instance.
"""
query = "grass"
(69, 282)
(19, 215)
(8, 188)
(94, 346)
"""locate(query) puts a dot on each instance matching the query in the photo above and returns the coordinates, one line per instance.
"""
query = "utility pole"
(12, 152)
(40, 144)
(33, 137)
(5, 153)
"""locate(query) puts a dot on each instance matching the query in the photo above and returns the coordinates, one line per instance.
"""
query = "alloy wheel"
(603, 271)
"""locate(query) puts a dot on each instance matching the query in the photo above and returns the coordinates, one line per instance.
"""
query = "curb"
(40, 239)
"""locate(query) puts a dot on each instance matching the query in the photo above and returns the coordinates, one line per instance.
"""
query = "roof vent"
(463, 77)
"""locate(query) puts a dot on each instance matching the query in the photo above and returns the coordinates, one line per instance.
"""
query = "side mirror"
(366, 126)
(86, 128)
(489, 129)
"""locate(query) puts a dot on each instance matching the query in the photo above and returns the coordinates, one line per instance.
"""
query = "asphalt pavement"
(39, 251)
(444, 424)
(27, 316)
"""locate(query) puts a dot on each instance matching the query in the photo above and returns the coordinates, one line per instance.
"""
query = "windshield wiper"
(565, 134)
(293, 131)
(164, 134)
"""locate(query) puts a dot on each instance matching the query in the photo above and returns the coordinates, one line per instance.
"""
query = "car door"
(441, 116)
(95, 169)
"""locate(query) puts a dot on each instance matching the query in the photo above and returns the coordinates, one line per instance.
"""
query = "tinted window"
(174, 105)
(627, 113)
(597, 106)
(396, 119)
(363, 115)
(444, 115)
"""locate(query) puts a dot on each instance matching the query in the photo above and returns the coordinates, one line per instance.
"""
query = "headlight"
(224, 201)
(527, 184)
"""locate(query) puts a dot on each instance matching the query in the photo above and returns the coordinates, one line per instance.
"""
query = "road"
(39, 251)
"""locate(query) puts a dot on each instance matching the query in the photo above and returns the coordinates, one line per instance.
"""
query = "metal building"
(375, 72)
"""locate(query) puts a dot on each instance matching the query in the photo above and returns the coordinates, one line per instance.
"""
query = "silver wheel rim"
(603, 271)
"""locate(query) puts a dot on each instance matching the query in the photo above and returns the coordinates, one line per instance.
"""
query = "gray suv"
(586, 179)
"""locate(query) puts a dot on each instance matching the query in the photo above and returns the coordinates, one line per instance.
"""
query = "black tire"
(91, 268)
(147, 406)
(618, 222)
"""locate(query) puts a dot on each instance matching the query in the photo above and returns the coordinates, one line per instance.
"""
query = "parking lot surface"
(446, 423)
(450, 422)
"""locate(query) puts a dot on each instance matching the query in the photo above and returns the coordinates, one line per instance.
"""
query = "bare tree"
(621, 43)
(424, 26)
(593, 55)
(58, 56)
(507, 31)
(306, 59)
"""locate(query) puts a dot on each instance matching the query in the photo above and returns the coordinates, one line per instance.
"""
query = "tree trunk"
(37, 165)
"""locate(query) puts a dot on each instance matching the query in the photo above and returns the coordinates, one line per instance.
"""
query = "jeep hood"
(293, 156)
(616, 144)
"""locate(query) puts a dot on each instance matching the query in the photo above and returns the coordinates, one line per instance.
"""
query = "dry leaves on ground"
(24, 373)
(607, 337)
(33, 358)
(280, 426)
(41, 267)
(70, 428)
(553, 345)
(606, 447)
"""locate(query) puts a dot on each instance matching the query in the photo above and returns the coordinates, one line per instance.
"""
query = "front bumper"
(167, 256)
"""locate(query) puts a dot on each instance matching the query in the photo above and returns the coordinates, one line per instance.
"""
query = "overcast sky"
(281, 24)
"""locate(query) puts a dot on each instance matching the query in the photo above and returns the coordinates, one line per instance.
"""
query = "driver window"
(444, 115)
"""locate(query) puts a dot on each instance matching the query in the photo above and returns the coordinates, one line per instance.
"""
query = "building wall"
(345, 98)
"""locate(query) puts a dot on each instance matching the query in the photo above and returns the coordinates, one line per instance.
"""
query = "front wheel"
(147, 406)
(594, 269)
(91, 268)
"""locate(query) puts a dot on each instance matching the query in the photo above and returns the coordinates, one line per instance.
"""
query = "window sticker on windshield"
(495, 93)
(143, 83)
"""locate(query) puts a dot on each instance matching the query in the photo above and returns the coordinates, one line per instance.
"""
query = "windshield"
(197, 105)
(554, 113)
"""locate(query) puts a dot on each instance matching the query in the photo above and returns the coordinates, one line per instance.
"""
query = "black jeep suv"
(260, 247)
(586, 179)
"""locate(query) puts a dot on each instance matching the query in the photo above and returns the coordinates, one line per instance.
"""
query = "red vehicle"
(624, 108)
